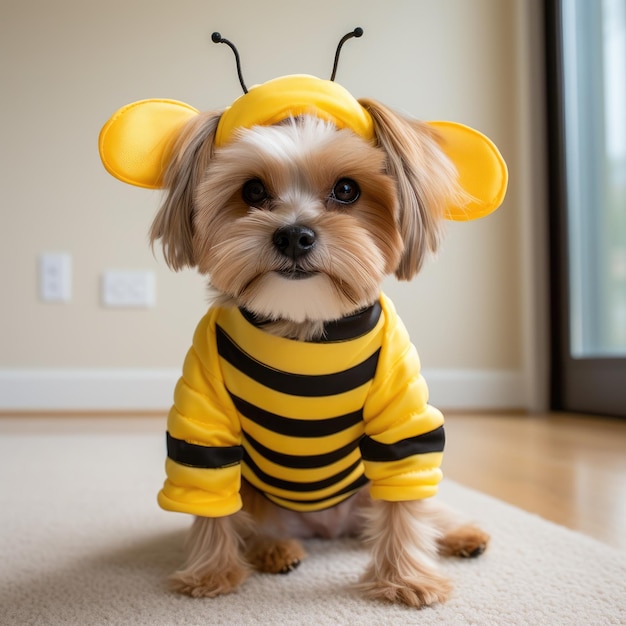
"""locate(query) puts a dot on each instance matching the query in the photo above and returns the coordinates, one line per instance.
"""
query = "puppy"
(301, 411)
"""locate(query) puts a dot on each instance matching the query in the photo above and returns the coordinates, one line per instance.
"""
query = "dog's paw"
(207, 586)
(276, 556)
(417, 592)
(465, 541)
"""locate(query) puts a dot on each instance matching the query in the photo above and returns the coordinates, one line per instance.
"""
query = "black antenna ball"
(217, 38)
(357, 32)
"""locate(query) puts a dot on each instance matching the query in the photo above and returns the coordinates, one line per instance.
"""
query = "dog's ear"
(190, 157)
(426, 182)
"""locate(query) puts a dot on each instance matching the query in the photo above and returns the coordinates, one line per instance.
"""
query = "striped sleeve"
(404, 437)
(204, 450)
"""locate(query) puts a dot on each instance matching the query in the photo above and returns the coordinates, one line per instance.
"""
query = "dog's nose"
(294, 241)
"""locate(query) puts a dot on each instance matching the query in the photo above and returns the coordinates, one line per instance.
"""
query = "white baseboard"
(152, 389)
(465, 389)
(87, 389)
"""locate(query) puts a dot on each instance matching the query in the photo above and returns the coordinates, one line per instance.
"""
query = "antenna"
(357, 32)
(217, 38)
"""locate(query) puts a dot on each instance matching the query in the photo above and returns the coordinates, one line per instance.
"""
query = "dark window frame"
(587, 385)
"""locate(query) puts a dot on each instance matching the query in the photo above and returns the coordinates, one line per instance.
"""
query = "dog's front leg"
(215, 563)
(403, 538)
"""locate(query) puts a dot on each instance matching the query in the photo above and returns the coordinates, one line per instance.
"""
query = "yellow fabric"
(286, 504)
(135, 144)
(290, 96)
(397, 401)
(294, 406)
(393, 403)
(482, 170)
(277, 352)
(309, 474)
(203, 412)
(302, 446)
(413, 478)
(311, 502)
(196, 491)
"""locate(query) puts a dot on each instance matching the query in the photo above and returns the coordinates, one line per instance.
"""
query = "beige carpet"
(83, 542)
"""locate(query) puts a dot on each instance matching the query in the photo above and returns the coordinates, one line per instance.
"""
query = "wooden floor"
(568, 469)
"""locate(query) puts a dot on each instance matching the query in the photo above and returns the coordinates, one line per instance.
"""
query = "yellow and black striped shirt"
(306, 423)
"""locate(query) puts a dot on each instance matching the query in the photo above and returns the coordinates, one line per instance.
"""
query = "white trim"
(465, 389)
(152, 389)
(87, 389)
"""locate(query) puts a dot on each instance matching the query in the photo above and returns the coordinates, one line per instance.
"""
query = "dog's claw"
(467, 542)
(290, 567)
(276, 557)
(476, 552)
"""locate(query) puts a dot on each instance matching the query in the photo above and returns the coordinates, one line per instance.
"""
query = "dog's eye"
(346, 191)
(254, 192)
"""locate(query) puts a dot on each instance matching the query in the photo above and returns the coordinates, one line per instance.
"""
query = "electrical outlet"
(128, 289)
(55, 277)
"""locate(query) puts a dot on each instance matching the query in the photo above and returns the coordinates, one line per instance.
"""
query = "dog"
(302, 411)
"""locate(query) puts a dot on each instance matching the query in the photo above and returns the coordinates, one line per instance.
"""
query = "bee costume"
(306, 423)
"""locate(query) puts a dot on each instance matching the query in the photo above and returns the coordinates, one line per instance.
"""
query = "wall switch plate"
(55, 277)
(128, 289)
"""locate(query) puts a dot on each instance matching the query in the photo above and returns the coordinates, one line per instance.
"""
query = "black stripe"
(352, 326)
(295, 384)
(297, 487)
(432, 441)
(297, 461)
(296, 427)
(344, 329)
(204, 457)
(361, 481)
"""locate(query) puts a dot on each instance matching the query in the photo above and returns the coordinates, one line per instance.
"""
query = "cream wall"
(69, 64)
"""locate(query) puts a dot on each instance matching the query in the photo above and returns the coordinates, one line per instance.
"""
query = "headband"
(291, 96)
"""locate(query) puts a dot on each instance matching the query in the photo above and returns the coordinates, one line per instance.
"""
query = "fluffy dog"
(301, 411)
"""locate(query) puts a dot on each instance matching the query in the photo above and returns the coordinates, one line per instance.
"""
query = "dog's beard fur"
(206, 223)
(299, 162)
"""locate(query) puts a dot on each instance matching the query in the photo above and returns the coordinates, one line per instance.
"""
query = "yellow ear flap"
(482, 171)
(135, 143)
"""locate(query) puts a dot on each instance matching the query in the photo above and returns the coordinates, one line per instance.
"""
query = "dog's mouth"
(296, 273)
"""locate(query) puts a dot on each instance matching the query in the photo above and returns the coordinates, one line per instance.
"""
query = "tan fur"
(173, 224)
(403, 538)
(405, 182)
(426, 183)
(233, 243)
(467, 541)
(275, 556)
(215, 564)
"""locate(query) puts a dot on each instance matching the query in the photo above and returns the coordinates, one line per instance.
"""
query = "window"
(586, 45)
